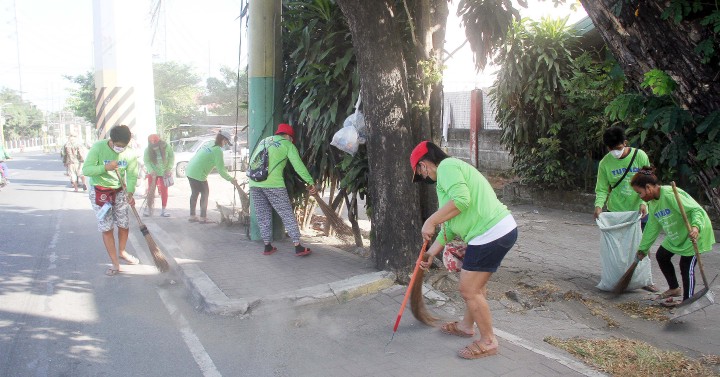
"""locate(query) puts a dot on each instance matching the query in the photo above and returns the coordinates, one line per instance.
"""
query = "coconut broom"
(417, 301)
(342, 230)
(158, 257)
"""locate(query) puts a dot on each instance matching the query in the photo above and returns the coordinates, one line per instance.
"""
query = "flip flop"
(130, 259)
(112, 272)
(451, 328)
(476, 351)
(665, 295)
(670, 302)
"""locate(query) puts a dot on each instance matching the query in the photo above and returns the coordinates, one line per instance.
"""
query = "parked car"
(186, 148)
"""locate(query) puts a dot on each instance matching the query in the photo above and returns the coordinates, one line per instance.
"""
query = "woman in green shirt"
(665, 214)
(159, 161)
(470, 209)
(199, 168)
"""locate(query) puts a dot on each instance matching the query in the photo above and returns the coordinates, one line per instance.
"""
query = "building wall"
(493, 158)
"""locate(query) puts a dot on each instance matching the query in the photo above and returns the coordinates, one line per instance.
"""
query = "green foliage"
(222, 93)
(177, 88)
(486, 26)
(659, 82)
(321, 84)
(82, 99)
(22, 118)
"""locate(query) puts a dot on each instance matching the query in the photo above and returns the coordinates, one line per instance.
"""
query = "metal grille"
(456, 109)
(489, 113)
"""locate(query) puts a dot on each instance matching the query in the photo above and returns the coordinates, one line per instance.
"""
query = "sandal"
(651, 288)
(193, 219)
(670, 302)
(112, 272)
(303, 253)
(476, 351)
(668, 294)
(451, 328)
(207, 221)
(130, 259)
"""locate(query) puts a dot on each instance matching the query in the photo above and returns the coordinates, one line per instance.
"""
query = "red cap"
(153, 139)
(284, 128)
(417, 153)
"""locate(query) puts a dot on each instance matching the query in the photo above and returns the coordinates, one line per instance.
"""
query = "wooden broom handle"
(689, 229)
(409, 288)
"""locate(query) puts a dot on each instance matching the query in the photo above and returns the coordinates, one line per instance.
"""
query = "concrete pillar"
(124, 91)
(264, 84)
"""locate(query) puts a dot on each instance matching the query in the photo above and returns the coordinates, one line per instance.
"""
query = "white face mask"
(118, 149)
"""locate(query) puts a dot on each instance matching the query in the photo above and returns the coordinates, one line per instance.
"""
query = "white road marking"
(203, 360)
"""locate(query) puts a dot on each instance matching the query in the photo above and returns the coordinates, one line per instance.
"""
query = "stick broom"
(407, 292)
(158, 257)
(343, 231)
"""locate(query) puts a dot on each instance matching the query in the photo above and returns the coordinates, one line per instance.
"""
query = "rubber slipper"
(665, 295)
(650, 288)
(303, 253)
(476, 351)
(207, 221)
(670, 303)
(451, 328)
(112, 272)
(130, 259)
(193, 219)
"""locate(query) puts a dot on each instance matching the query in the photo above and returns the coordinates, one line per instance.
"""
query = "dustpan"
(705, 297)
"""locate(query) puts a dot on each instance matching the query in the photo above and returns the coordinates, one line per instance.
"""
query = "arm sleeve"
(298, 165)
(220, 163)
(459, 192)
(149, 167)
(131, 174)
(93, 166)
(694, 212)
(601, 187)
(650, 234)
(170, 157)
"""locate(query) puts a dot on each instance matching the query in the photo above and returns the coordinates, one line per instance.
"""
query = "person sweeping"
(665, 214)
(271, 193)
(468, 208)
(159, 161)
(197, 172)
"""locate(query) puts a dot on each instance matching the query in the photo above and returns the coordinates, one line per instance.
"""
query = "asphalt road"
(60, 315)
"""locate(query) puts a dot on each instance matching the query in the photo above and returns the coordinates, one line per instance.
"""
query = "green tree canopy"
(178, 90)
(22, 118)
(222, 93)
(82, 99)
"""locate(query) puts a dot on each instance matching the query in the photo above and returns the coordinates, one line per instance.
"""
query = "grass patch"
(631, 358)
(637, 310)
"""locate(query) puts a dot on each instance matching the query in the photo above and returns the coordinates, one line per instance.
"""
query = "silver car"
(186, 148)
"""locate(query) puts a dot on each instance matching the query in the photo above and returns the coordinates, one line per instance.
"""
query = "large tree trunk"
(642, 41)
(396, 219)
(645, 41)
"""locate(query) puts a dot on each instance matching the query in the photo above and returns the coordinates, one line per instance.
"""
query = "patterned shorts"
(117, 215)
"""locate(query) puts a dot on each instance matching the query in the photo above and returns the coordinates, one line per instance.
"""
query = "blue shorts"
(487, 257)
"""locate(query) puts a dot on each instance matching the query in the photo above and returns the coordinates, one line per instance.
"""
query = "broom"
(624, 281)
(158, 257)
(342, 230)
(417, 302)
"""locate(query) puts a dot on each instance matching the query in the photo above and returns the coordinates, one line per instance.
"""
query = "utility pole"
(17, 49)
(264, 83)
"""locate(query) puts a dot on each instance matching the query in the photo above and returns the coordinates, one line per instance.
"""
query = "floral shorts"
(117, 215)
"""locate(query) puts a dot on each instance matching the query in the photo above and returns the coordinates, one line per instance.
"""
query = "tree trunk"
(396, 219)
(645, 41)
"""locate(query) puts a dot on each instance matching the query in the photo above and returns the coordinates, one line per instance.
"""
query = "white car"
(186, 148)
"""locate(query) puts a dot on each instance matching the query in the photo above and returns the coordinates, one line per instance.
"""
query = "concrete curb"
(207, 297)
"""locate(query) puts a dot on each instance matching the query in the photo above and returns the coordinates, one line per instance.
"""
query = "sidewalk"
(226, 273)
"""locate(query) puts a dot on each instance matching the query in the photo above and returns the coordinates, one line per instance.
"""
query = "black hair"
(614, 136)
(219, 138)
(120, 134)
(645, 176)
(434, 154)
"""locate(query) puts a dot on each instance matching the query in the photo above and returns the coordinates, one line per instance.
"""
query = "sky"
(54, 38)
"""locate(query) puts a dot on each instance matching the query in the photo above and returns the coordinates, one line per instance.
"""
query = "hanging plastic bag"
(621, 236)
(357, 120)
(346, 140)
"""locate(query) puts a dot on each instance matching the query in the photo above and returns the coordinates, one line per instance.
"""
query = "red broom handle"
(412, 280)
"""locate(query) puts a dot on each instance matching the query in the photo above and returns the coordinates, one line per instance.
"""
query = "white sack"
(620, 237)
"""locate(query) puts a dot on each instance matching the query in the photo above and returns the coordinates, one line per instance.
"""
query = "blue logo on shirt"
(621, 171)
(662, 213)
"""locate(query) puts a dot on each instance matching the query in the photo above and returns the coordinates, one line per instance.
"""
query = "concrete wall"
(493, 158)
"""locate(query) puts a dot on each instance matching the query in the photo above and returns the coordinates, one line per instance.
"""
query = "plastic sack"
(621, 236)
(346, 140)
(357, 120)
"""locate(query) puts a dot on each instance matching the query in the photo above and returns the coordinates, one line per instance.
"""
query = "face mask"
(428, 180)
(617, 153)
(156, 147)
(118, 149)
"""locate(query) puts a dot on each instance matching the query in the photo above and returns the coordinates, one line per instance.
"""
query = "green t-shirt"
(623, 197)
(472, 194)
(664, 214)
(204, 160)
(163, 164)
(280, 151)
(99, 155)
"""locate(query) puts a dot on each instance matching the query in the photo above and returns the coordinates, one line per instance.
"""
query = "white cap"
(227, 136)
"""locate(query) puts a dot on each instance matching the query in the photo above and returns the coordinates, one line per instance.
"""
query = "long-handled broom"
(413, 279)
(158, 257)
(624, 281)
(343, 231)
